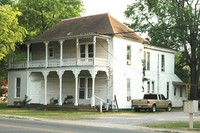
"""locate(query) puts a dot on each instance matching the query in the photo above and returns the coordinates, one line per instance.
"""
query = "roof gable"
(102, 24)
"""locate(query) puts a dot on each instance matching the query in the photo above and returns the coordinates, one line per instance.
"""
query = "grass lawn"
(175, 125)
(60, 115)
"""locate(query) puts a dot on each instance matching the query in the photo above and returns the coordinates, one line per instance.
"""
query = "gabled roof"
(102, 24)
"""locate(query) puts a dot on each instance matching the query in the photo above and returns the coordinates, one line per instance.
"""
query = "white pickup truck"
(151, 102)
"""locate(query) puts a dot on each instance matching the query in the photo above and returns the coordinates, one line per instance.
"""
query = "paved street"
(13, 125)
(104, 122)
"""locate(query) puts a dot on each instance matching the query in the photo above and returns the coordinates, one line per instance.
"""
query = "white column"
(28, 53)
(60, 73)
(94, 49)
(46, 54)
(93, 74)
(61, 52)
(76, 73)
(28, 84)
(77, 50)
(45, 74)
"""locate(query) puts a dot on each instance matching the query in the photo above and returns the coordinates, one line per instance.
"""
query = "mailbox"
(191, 106)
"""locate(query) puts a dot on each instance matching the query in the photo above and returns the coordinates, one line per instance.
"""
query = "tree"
(172, 24)
(39, 15)
(10, 30)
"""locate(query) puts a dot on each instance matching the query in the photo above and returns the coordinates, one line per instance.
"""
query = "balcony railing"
(59, 63)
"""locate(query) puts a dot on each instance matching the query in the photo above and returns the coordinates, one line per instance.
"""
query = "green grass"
(60, 115)
(175, 125)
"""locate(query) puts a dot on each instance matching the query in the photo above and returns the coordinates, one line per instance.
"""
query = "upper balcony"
(59, 63)
(63, 53)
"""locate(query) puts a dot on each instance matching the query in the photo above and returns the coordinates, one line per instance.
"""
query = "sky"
(116, 8)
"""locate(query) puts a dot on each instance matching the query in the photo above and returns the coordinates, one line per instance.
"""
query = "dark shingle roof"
(103, 24)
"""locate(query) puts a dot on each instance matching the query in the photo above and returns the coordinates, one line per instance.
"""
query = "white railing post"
(101, 102)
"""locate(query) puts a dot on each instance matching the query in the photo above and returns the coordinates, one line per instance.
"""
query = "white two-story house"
(93, 58)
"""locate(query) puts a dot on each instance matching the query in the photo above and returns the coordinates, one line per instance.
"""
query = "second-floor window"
(51, 52)
(86, 51)
(128, 56)
(147, 60)
(162, 63)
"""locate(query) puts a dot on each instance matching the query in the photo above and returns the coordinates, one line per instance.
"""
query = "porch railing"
(101, 102)
(59, 63)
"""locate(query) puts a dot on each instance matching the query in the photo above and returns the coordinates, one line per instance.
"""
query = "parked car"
(151, 102)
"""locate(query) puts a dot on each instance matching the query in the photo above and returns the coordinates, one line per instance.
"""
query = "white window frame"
(86, 51)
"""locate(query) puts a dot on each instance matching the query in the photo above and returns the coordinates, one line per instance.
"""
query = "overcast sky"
(115, 7)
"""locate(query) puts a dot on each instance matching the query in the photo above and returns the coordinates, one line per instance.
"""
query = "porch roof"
(102, 24)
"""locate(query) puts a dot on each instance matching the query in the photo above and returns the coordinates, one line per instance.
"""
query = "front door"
(35, 91)
(85, 88)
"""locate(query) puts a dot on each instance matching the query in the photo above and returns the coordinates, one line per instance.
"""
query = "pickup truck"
(151, 102)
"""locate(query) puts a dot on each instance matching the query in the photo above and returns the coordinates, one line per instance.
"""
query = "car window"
(163, 97)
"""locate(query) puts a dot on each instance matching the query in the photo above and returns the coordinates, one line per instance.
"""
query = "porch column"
(76, 73)
(60, 73)
(46, 54)
(28, 83)
(45, 74)
(94, 48)
(77, 50)
(93, 74)
(28, 52)
(61, 52)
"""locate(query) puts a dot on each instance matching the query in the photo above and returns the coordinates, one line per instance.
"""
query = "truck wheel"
(169, 107)
(153, 108)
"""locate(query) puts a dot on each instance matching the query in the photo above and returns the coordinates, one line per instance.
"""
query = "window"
(89, 88)
(18, 87)
(82, 88)
(153, 86)
(82, 51)
(86, 50)
(147, 60)
(51, 52)
(128, 56)
(174, 91)
(90, 50)
(148, 87)
(85, 90)
(128, 86)
(162, 63)
(181, 91)
(167, 90)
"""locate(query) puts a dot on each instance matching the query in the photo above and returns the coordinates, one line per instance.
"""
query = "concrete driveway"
(139, 119)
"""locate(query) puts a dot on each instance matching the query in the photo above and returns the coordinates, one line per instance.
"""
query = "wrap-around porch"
(86, 86)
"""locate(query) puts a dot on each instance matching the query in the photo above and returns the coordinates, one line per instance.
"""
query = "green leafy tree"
(172, 24)
(10, 30)
(39, 15)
